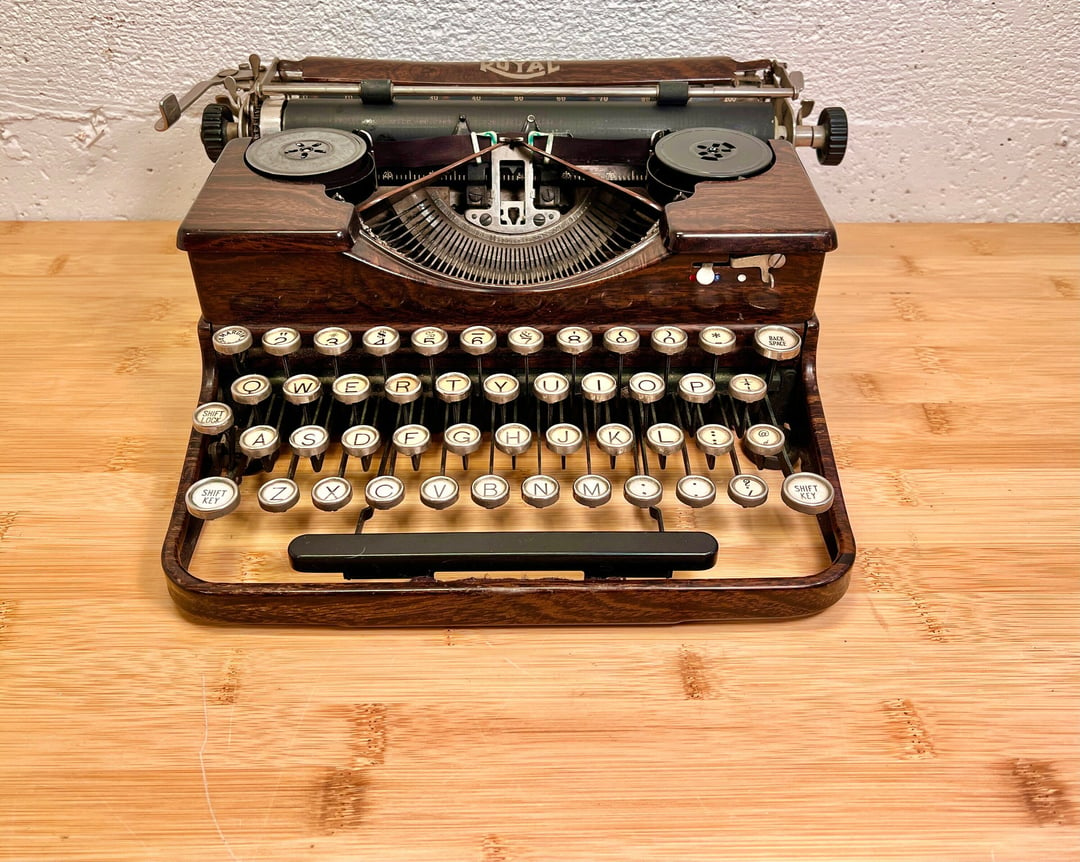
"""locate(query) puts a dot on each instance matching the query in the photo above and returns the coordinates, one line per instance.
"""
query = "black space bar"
(620, 554)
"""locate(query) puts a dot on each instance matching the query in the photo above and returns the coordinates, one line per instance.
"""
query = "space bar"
(620, 554)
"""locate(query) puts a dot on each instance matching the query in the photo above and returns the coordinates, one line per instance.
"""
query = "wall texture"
(961, 110)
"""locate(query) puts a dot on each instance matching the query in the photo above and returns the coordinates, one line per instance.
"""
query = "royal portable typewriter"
(508, 343)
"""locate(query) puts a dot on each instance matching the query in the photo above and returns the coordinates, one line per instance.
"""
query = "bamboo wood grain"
(931, 714)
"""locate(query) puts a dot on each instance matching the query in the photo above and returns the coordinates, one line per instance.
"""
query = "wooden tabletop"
(931, 715)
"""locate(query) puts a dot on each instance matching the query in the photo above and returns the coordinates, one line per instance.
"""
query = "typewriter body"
(508, 343)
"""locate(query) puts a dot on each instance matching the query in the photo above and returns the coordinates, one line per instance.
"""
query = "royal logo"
(520, 69)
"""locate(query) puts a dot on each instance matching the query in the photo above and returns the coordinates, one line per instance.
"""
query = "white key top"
(664, 438)
(478, 340)
(309, 441)
(361, 440)
(250, 389)
(695, 491)
(231, 340)
(615, 438)
(697, 388)
(259, 441)
(302, 389)
(574, 340)
(403, 388)
(525, 340)
(647, 387)
(429, 340)
(716, 340)
(748, 490)
(599, 386)
(332, 341)
(592, 490)
(462, 439)
(808, 493)
(351, 388)
(764, 439)
(384, 492)
(621, 339)
(411, 439)
(643, 491)
(747, 387)
(453, 386)
(279, 495)
(214, 417)
(513, 438)
(331, 493)
(540, 491)
(714, 439)
(439, 492)
(564, 438)
(551, 387)
(668, 340)
(777, 342)
(381, 340)
(281, 341)
(501, 388)
(212, 497)
(490, 491)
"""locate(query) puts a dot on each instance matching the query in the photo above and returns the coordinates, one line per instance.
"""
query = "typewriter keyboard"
(609, 452)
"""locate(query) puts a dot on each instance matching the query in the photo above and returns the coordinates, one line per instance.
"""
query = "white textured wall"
(961, 110)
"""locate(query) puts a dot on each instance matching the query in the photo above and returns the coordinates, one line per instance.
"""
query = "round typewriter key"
(402, 388)
(259, 441)
(212, 497)
(808, 493)
(647, 387)
(412, 439)
(697, 388)
(361, 440)
(592, 490)
(746, 387)
(615, 439)
(231, 340)
(429, 340)
(490, 491)
(697, 492)
(777, 342)
(513, 438)
(643, 491)
(599, 386)
(302, 389)
(564, 438)
(748, 490)
(668, 340)
(525, 340)
(551, 387)
(453, 386)
(381, 340)
(462, 439)
(279, 495)
(501, 388)
(622, 339)
(332, 341)
(212, 418)
(351, 388)
(764, 439)
(281, 341)
(714, 439)
(540, 491)
(573, 339)
(478, 340)
(250, 389)
(664, 438)
(439, 492)
(331, 493)
(717, 340)
(384, 492)
(309, 441)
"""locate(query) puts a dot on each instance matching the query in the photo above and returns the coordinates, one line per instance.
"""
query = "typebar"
(623, 554)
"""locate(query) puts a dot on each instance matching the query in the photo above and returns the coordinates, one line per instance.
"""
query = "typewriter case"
(625, 247)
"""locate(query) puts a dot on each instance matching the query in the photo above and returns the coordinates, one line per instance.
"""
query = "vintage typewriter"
(508, 343)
